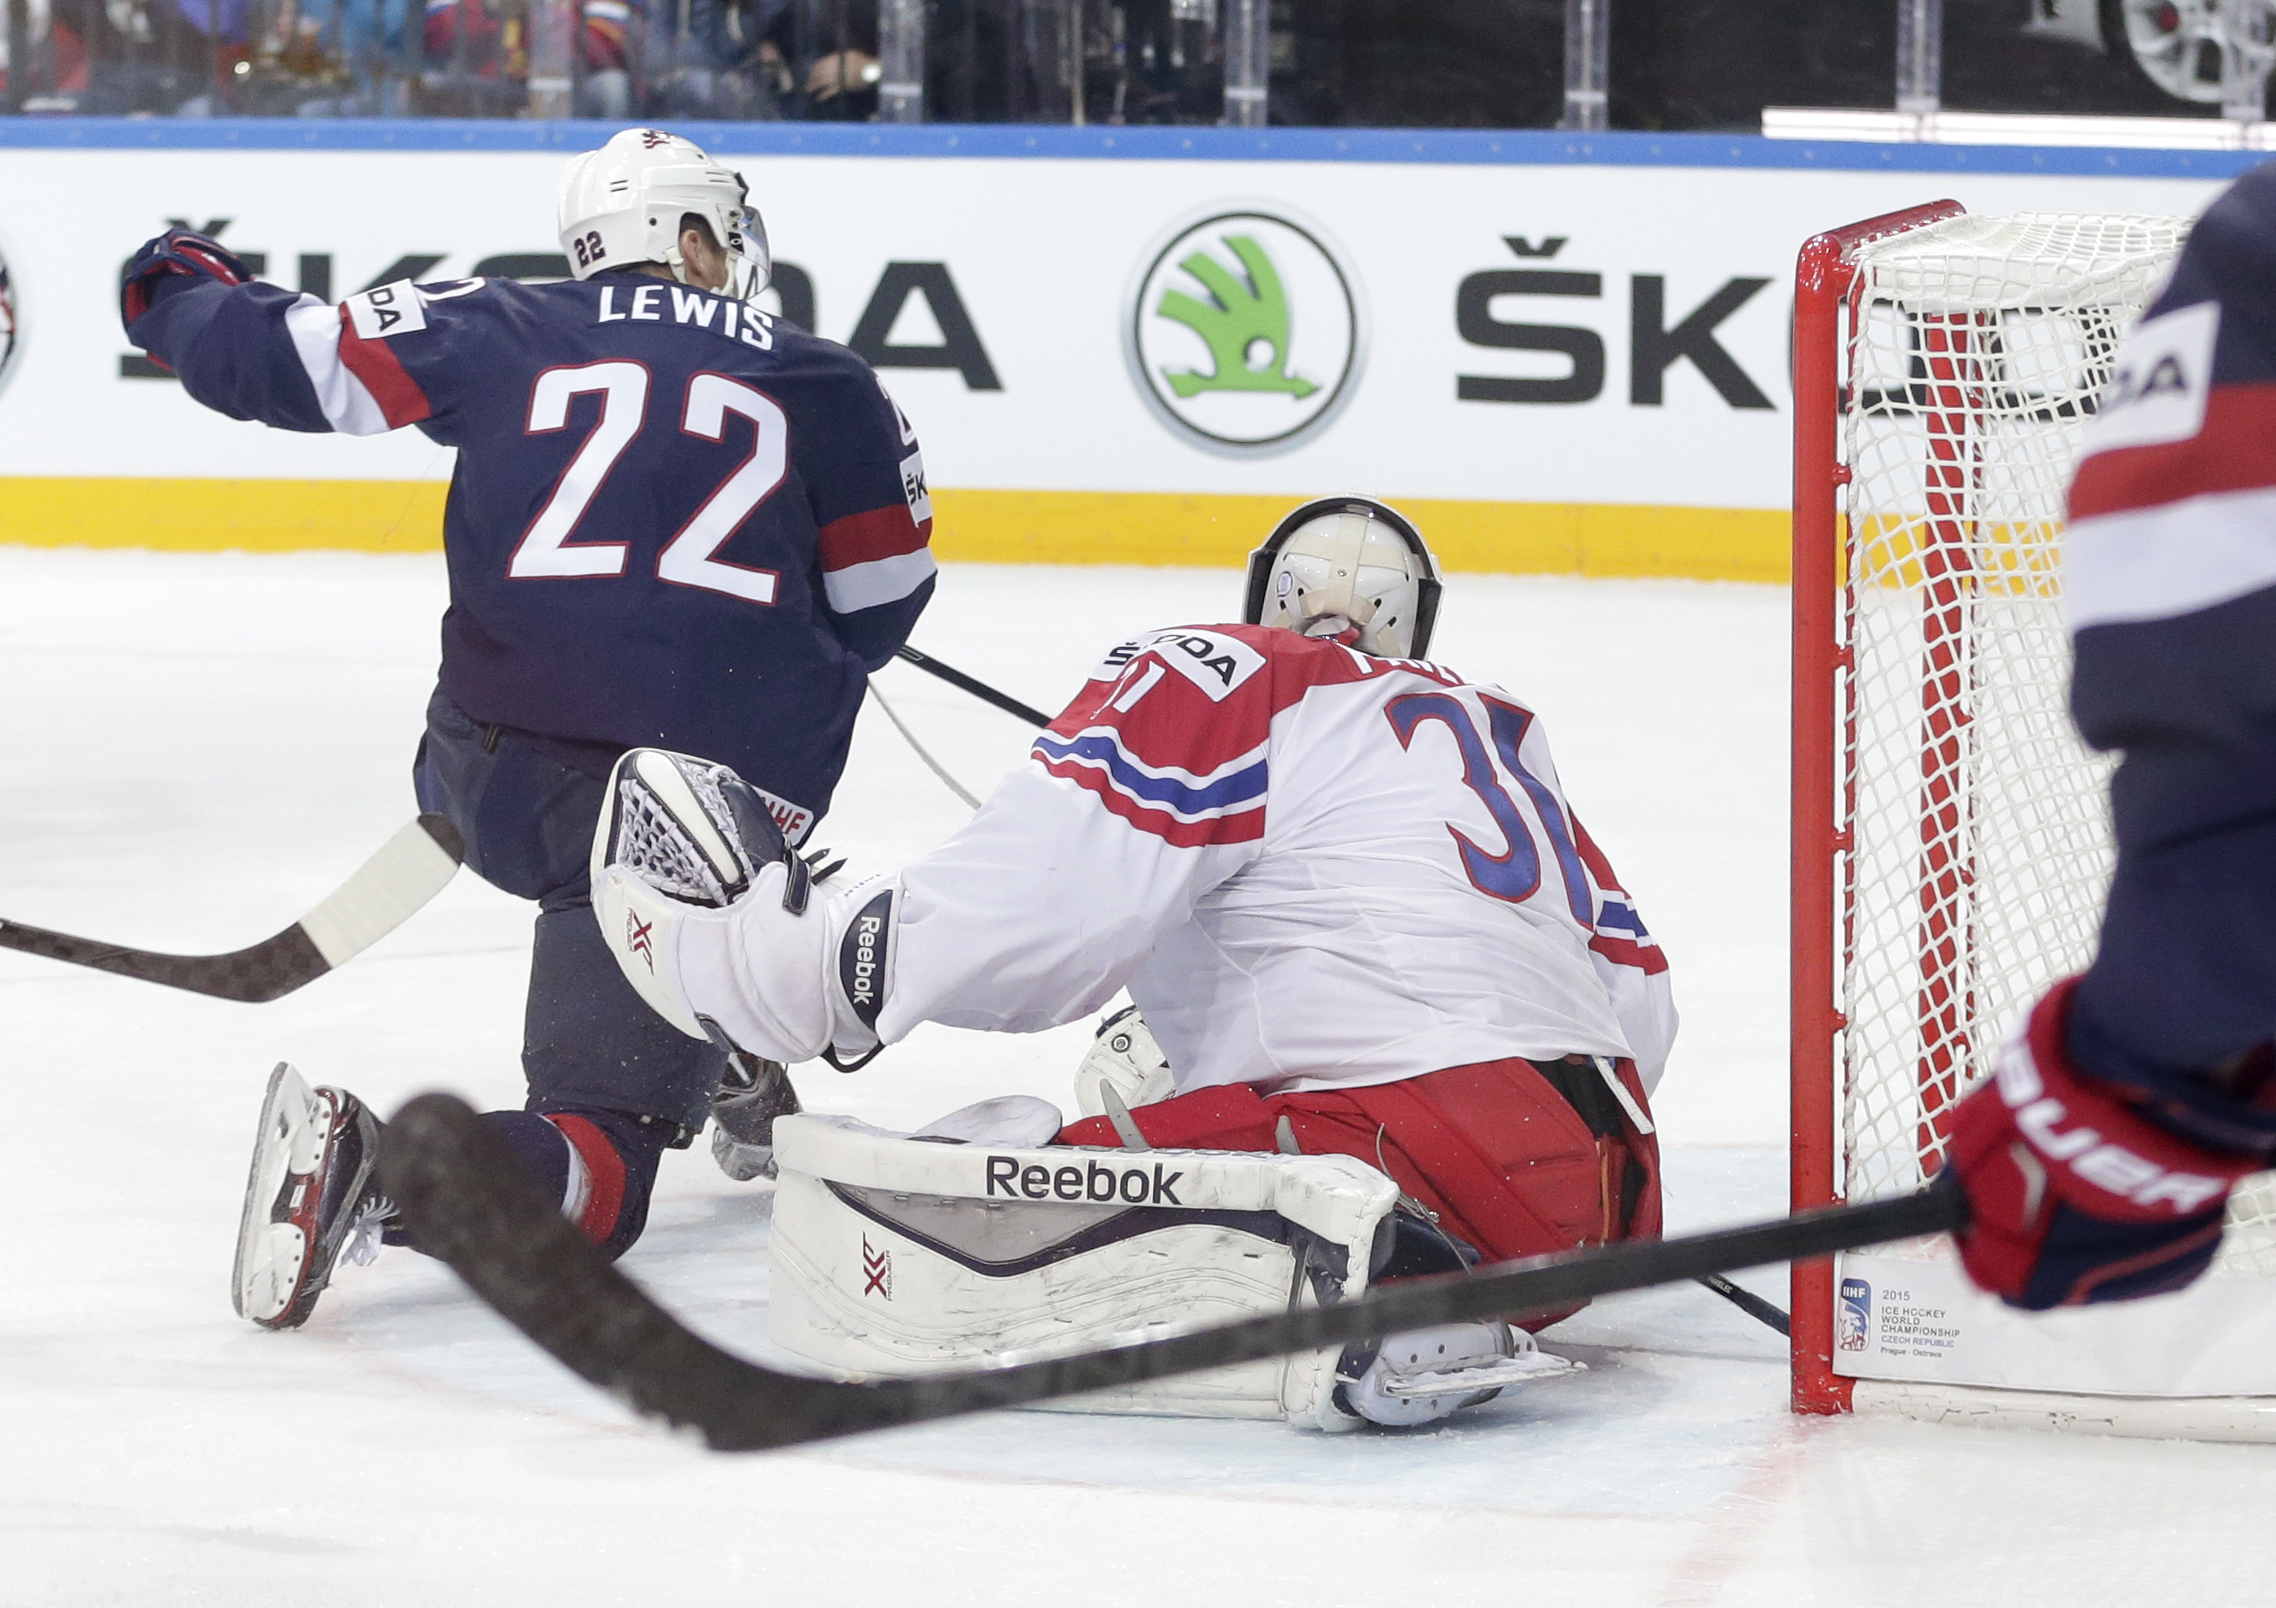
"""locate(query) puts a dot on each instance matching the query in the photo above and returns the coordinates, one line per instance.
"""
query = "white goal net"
(1972, 844)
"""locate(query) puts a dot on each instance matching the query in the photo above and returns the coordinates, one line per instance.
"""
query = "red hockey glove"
(176, 252)
(2073, 1194)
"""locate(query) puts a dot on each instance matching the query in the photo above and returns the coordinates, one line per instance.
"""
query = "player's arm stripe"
(390, 384)
(347, 405)
(866, 538)
(1245, 826)
(2155, 563)
(885, 580)
(2234, 451)
(1650, 959)
(1239, 785)
(1620, 918)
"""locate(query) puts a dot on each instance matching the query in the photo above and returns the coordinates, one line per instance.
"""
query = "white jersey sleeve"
(1130, 809)
(1310, 867)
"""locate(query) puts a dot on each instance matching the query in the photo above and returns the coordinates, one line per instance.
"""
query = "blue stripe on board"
(1471, 147)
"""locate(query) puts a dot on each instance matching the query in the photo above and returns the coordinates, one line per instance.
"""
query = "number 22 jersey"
(1312, 869)
(675, 520)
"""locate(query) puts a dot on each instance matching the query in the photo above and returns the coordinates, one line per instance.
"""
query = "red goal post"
(1951, 835)
(1826, 284)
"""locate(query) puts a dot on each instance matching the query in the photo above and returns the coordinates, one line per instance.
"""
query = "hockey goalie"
(1393, 1013)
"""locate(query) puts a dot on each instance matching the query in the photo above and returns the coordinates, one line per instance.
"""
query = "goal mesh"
(1976, 825)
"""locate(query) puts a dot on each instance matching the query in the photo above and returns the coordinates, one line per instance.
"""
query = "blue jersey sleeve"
(232, 346)
(866, 482)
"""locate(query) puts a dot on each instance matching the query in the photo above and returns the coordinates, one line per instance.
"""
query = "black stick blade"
(468, 1199)
(254, 976)
(409, 869)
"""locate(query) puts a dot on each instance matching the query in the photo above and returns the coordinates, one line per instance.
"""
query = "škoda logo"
(1245, 331)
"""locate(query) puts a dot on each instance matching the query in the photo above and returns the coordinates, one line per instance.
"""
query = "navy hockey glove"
(2075, 1194)
(177, 252)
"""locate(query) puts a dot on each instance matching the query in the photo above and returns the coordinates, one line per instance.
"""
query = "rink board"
(1921, 1321)
(1569, 354)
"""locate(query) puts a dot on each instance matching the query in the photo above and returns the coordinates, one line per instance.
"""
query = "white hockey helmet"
(622, 205)
(1342, 563)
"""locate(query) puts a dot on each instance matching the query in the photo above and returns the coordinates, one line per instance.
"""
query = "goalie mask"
(1347, 563)
(622, 205)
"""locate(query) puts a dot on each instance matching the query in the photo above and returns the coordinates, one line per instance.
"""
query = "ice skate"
(310, 1193)
(750, 1097)
(1427, 1374)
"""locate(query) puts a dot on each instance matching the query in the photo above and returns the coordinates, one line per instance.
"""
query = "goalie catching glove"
(720, 926)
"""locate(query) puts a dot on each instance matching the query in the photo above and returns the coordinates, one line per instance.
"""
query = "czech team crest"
(1246, 332)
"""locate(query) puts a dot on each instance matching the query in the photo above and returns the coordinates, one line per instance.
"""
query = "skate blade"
(272, 1254)
(1523, 1369)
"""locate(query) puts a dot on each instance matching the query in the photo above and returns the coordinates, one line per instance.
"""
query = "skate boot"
(1427, 1374)
(751, 1095)
(312, 1195)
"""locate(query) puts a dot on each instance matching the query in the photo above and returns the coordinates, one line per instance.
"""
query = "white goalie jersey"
(1310, 867)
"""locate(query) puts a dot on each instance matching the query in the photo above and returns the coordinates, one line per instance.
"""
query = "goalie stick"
(467, 1200)
(409, 869)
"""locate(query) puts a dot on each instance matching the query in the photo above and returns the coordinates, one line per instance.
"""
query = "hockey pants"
(1510, 1158)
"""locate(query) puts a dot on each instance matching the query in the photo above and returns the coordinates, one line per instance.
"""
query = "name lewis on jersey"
(646, 304)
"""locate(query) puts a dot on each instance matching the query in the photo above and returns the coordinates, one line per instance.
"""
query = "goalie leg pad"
(896, 1256)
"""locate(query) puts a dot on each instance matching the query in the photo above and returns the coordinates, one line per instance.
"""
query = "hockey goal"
(1951, 842)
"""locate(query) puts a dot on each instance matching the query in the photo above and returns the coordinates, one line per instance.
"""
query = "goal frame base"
(2238, 1419)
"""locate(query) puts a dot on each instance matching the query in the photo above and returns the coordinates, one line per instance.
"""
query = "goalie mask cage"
(1951, 845)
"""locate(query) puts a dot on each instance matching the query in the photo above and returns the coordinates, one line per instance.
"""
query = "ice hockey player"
(675, 519)
(2097, 1163)
(1341, 882)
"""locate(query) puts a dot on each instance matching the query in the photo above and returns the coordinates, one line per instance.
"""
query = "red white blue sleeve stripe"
(1223, 805)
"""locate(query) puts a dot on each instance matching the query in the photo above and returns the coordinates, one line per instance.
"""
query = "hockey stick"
(466, 1199)
(410, 869)
(979, 689)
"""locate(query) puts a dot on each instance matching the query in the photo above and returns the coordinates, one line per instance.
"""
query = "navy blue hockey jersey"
(2170, 584)
(675, 520)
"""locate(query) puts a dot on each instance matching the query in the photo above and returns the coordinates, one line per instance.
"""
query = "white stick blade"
(409, 869)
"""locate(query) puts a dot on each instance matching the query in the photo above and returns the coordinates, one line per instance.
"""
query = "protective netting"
(1978, 824)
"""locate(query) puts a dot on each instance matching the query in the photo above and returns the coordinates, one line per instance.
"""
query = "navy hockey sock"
(601, 1165)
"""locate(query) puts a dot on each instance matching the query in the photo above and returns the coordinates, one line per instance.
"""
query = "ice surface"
(198, 747)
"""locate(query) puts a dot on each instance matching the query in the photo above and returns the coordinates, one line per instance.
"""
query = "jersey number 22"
(546, 551)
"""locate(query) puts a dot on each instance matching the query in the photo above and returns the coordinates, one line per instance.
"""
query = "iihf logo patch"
(636, 934)
(876, 1269)
(1853, 1315)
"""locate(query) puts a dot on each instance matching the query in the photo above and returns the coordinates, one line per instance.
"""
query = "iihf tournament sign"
(1246, 333)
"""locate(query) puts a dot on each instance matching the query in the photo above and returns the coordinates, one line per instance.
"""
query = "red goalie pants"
(1515, 1157)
